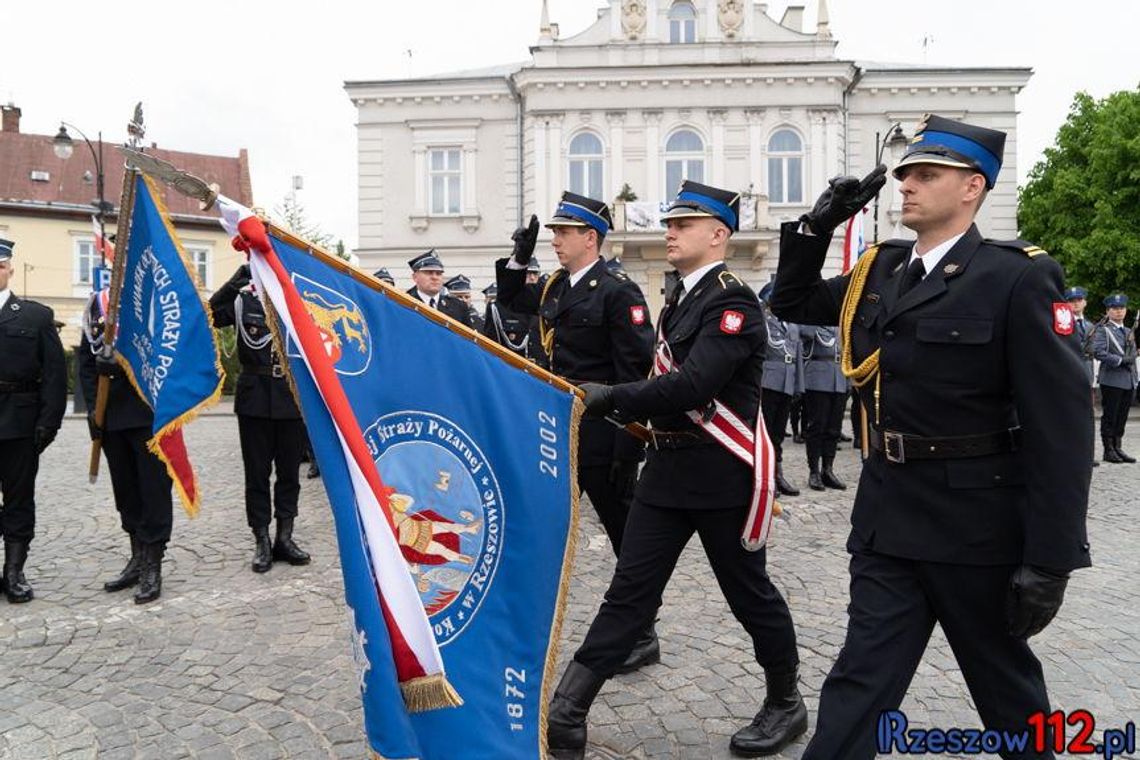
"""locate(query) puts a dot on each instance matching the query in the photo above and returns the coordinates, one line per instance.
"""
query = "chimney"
(793, 18)
(11, 118)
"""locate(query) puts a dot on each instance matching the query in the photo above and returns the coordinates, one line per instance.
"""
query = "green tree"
(292, 215)
(1082, 201)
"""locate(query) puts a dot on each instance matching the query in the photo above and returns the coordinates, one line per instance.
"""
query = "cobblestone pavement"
(230, 664)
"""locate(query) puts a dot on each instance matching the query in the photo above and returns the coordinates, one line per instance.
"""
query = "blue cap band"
(987, 162)
(582, 214)
(722, 210)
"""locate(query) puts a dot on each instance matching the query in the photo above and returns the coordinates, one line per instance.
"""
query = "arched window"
(682, 22)
(684, 159)
(785, 167)
(586, 165)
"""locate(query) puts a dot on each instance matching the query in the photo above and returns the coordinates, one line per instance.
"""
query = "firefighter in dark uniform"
(1082, 337)
(427, 273)
(783, 380)
(1114, 346)
(383, 275)
(825, 398)
(33, 396)
(270, 427)
(511, 329)
(139, 480)
(594, 326)
(712, 330)
(971, 505)
(459, 288)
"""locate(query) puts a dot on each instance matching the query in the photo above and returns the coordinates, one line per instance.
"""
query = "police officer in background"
(971, 506)
(270, 428)
(427, 274)
(1082, 337)
(825, 399)
(595, 327)
(518, 332)
(1114, 345)
(383, 275)
(783, 380)
(712, 330)
(33, 396)
(459, 288)
(139, 480)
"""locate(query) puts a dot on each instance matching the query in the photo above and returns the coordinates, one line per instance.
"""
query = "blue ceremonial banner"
(476, 458)
(164, 338)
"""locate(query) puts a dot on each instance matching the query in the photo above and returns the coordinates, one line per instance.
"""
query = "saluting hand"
(1035, 595)
(525, 240)
(842, 199)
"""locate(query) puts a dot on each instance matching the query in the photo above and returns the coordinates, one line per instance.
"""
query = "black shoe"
(15, 585)
(150, 573)
(1095, 463)
(814, 483)
(130, 574)
(283, 548)
(1120, 453)
(647, 651)
(262, 551)
(797, 438)
(845, 438)
(313, 471)
(829, 479)
(1111, 455)
(566, 722)
(783, 487)
(781, 719)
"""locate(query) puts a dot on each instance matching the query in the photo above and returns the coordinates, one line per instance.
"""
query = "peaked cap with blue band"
(1073, 293)
(1116, 300)
(695, 199)
(426, 260)
(6, 247)
(579, 211)
(458, 284)
(946, 142)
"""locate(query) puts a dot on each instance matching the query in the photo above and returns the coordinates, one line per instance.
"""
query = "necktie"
(431, 303)
(913, 276)
(678, 294)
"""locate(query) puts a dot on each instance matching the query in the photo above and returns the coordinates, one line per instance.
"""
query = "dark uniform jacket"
(126, 409)
(1081, 340)
(262, 390)
(783, 360)
(1115, 348)
(717, 357)
(822, 348)
(518, 332)
(452, 307)
(33, 374)
(602, 334)
(973, 348)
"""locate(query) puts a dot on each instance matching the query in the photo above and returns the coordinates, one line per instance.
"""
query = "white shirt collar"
(4, 297)
(931, 258)
(577, 276)
(426, 298)
(692, 278)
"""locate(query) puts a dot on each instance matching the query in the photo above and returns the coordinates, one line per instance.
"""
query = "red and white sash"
(731, 432)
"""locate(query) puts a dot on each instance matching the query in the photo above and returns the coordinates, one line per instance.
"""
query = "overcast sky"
(215, 77)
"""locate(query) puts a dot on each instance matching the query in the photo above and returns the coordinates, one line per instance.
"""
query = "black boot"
(647, 651)
(314, 471)
(1120, 453)
(130, 574)
(16, 586)
(263, 550)
(782, 485)
(150, 573)
(814, 483)
(828, 477)
(566, 723)
(781, 719)
(1111, 455)
(283, 548)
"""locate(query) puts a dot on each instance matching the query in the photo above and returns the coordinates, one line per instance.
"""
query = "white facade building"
(654, 91)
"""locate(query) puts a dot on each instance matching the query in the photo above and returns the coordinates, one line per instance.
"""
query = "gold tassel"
(429, 693)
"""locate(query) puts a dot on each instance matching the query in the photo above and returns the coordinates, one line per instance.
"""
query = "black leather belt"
(900, 447)
(275, 371)
(675, 439)
(23, 386)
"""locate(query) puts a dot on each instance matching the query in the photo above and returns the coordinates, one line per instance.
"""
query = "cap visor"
(564, 221)
(680, 212)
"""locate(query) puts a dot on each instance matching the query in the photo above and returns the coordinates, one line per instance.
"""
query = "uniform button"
(955, 334)
(997, 478)
(889, 334)
(1085, 547)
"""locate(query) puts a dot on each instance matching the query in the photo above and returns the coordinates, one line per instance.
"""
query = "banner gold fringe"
(429, 693)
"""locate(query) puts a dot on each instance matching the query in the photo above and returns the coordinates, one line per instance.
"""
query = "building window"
(200, 263)
(586, 165)
(86, 259)
(682, 22)
(684, 159)
(785, 168)
(443, 180)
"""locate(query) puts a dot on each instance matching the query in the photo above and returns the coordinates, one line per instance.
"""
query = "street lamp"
(64, 146)
(896, 141)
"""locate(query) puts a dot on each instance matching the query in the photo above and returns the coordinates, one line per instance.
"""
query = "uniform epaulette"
(1029, 249)
(892, 243)
(727, 278)
(617, 275)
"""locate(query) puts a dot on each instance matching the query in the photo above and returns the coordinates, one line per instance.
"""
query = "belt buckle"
(896, 439)
(788, 359)
(278, 370)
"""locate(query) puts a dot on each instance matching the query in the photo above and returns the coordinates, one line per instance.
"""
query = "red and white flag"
(854, 243)
(102, 245)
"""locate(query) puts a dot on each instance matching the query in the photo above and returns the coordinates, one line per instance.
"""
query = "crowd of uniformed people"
(970, 508)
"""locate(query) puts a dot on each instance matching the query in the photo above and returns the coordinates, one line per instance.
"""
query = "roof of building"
(31, 174)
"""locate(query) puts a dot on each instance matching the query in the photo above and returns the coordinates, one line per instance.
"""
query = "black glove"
(106, 366)
(1035, 595)
(43, 438)
(240, 278)
(92, 428)
(525, 239)
(842, 199)
(599, 399)
(623, 476)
